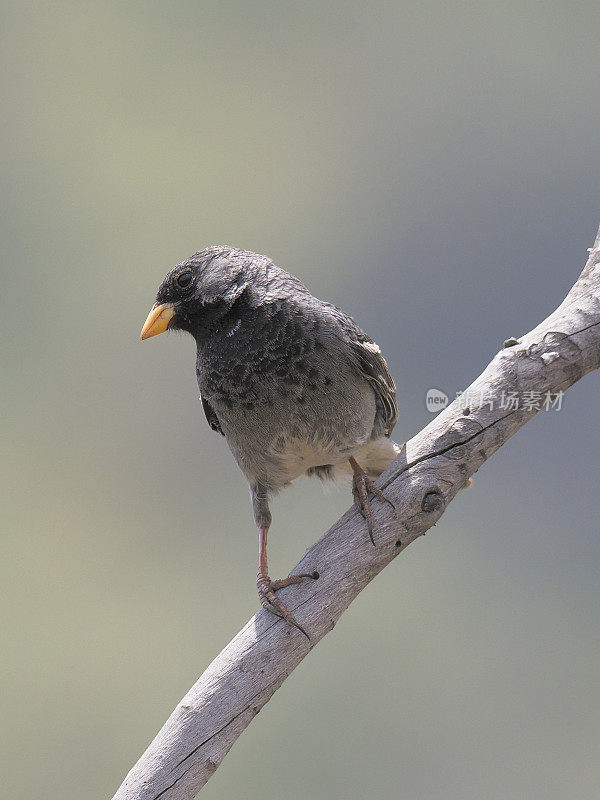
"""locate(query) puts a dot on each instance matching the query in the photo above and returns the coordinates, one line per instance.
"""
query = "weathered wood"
(430, 470)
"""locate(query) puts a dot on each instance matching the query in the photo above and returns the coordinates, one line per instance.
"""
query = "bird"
(294, 385)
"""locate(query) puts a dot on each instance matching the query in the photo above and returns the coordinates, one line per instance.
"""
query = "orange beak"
(157, 320)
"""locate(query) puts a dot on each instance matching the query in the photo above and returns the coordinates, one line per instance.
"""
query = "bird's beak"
(157, 320)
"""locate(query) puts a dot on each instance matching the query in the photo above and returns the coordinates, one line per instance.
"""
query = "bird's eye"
(184, 280)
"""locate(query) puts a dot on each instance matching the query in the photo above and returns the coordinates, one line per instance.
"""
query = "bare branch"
(430, 470)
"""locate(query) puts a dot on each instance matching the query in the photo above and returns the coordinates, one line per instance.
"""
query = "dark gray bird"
(294, 385)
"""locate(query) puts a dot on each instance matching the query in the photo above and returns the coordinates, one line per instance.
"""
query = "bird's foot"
(269, 600)
(361, 486)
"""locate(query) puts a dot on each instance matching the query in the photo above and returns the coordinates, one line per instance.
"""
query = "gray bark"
(421, 482)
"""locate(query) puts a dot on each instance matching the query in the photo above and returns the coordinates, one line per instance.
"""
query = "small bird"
(291, 382)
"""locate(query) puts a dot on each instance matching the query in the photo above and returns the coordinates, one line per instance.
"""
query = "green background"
(432, 168)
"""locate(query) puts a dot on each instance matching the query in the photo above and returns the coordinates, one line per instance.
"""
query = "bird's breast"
(280, 428)
(286, 397)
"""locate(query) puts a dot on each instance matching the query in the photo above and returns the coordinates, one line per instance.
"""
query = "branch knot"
(433, 501)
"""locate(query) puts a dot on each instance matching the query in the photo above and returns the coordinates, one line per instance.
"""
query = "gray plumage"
(291, 381)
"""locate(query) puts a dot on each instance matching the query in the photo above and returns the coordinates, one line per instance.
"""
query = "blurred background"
(432, 168)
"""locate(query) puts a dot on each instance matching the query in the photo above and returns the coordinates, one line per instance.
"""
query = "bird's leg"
(361, 486)
(267, 587)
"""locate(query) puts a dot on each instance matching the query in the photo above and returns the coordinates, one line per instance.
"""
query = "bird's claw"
(269, 600)
(361, 486)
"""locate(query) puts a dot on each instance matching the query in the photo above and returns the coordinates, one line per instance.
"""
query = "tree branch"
(422, 481)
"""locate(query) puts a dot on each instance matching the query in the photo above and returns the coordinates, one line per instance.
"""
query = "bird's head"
(199, 291)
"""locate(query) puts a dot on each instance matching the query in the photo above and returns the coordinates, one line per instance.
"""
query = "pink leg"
(361, 486)
(267, 587)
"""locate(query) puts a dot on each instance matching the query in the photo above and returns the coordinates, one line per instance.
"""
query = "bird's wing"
(373, 367)
(367, 359)
(211, 416)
